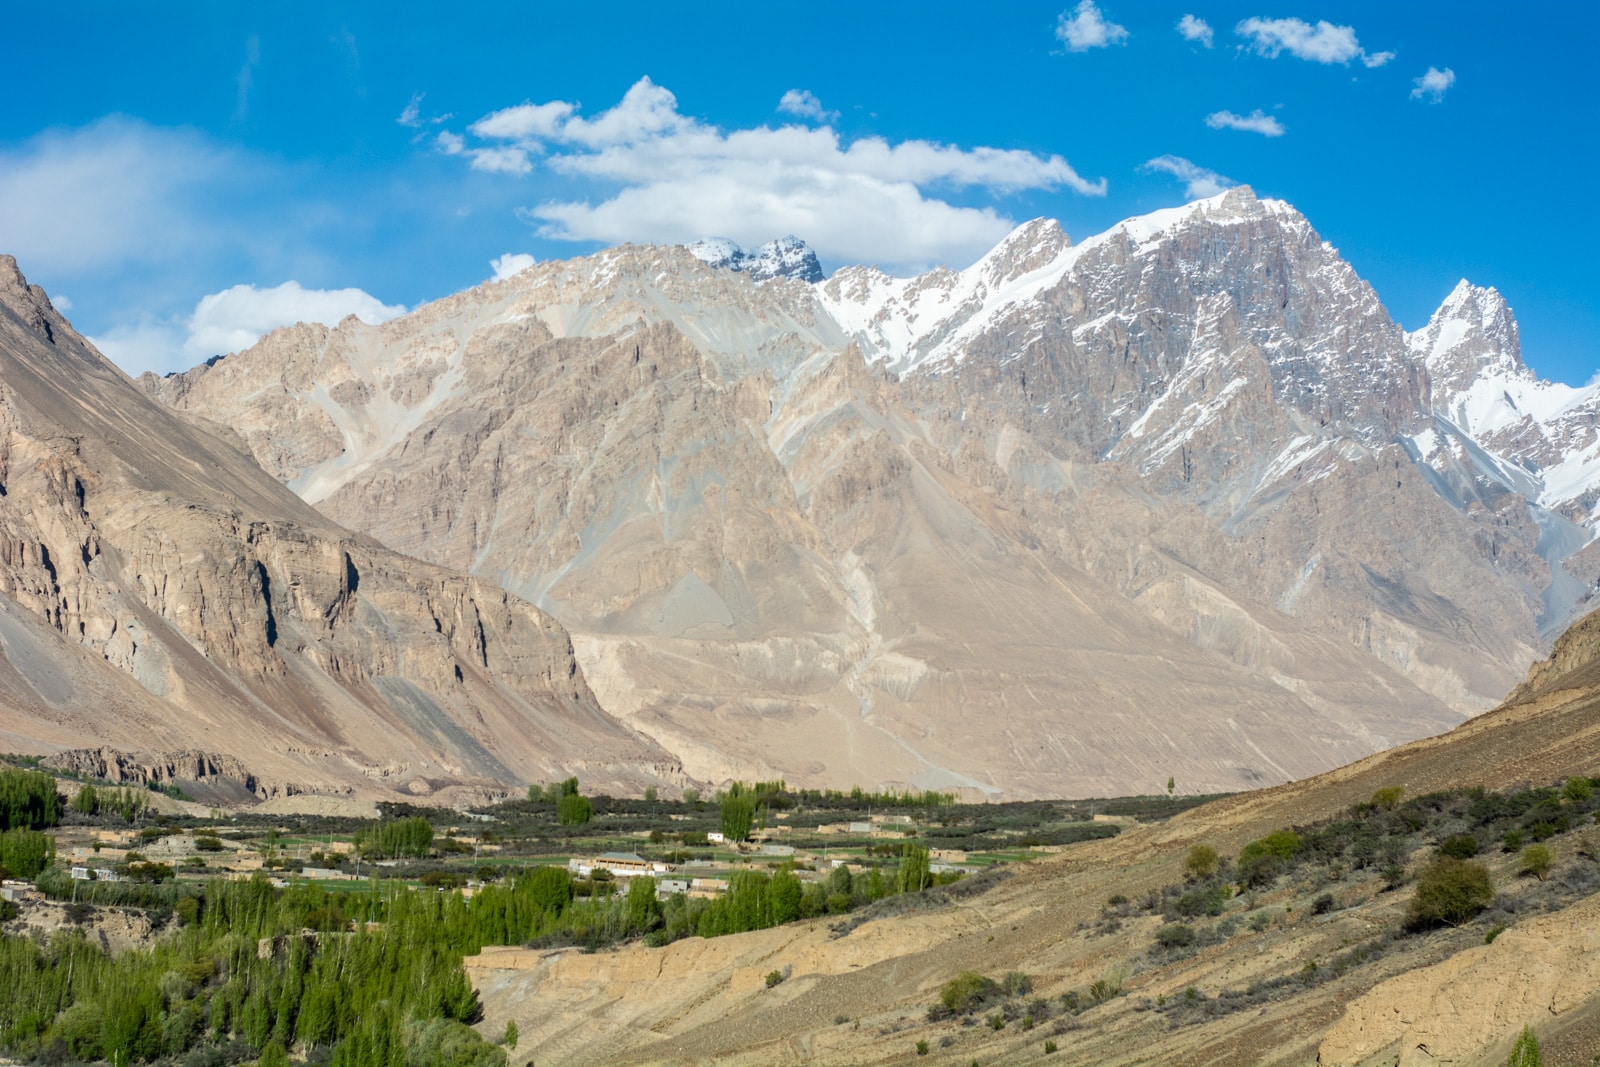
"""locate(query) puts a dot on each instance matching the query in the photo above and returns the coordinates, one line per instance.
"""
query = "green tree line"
(28, 800)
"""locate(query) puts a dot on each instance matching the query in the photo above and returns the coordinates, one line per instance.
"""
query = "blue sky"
(188, 175)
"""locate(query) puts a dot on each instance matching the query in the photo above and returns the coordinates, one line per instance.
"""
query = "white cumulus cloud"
(1087, 28)
(1321, 43)
(1194, 28)
(1257, 121)
(238, 317)
(669, 178)
(231, 321)
(510, 264)
(1433, 84)
(1198, 182)
(802, 103)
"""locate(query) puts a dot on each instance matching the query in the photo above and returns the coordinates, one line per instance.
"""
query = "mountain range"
(1181, 500)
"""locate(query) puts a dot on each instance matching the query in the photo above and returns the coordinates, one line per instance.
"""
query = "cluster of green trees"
(572, 807)
(396, 839)
(547, 906)
(744, 807)
(129, 803)
(739, 808)
(857, 796)
(365, 994)
(28, 800)
(25, 853)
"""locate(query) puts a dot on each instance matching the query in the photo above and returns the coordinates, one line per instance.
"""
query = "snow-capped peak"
(1473, 335)
(787, 257)
(716, 251)
(1480, 385)
(914, 322)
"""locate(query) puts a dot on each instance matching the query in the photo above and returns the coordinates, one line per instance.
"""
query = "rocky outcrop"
(162, 593)
(1470, 1007)
(152, 769)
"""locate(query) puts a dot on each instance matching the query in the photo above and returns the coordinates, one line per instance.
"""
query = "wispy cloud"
(674, 179)
(1321, 43)
(245, 79)
(60, 213)
(1198, 182)
(1087, 28)
(1257, 121)
(1195, 29)
(1433, 84)
(413, 117)
(802, 103)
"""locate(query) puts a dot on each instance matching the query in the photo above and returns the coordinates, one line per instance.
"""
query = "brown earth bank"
(862, 996)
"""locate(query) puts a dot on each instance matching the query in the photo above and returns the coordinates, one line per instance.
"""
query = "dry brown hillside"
(1284, 983)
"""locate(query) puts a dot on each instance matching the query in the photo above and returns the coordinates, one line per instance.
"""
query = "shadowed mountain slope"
(162, 593)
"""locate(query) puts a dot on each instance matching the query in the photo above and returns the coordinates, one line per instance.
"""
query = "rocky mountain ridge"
(1073, 519)
(786, 257)
(170, 605)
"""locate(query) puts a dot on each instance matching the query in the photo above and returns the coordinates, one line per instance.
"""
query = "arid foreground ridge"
(1314, 966)
(1181, 499)
(167, 599)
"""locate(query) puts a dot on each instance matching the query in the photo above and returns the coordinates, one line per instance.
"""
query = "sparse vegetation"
(1525, 1053)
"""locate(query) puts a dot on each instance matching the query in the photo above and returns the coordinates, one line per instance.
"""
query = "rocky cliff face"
(161, 593)
(1070, 520)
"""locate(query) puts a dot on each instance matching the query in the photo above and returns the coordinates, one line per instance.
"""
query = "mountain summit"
(787, 257)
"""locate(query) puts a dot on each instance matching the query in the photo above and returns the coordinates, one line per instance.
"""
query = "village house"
(620, 864)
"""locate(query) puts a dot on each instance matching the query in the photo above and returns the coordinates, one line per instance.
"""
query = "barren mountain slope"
(162, 593)
(778, 560)
(1441, 997)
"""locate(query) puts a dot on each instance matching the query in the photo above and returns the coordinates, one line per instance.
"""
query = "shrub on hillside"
(1449, 892)
(968, 991)
(1262, 861)
(1201, 863)
(1535, 860)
